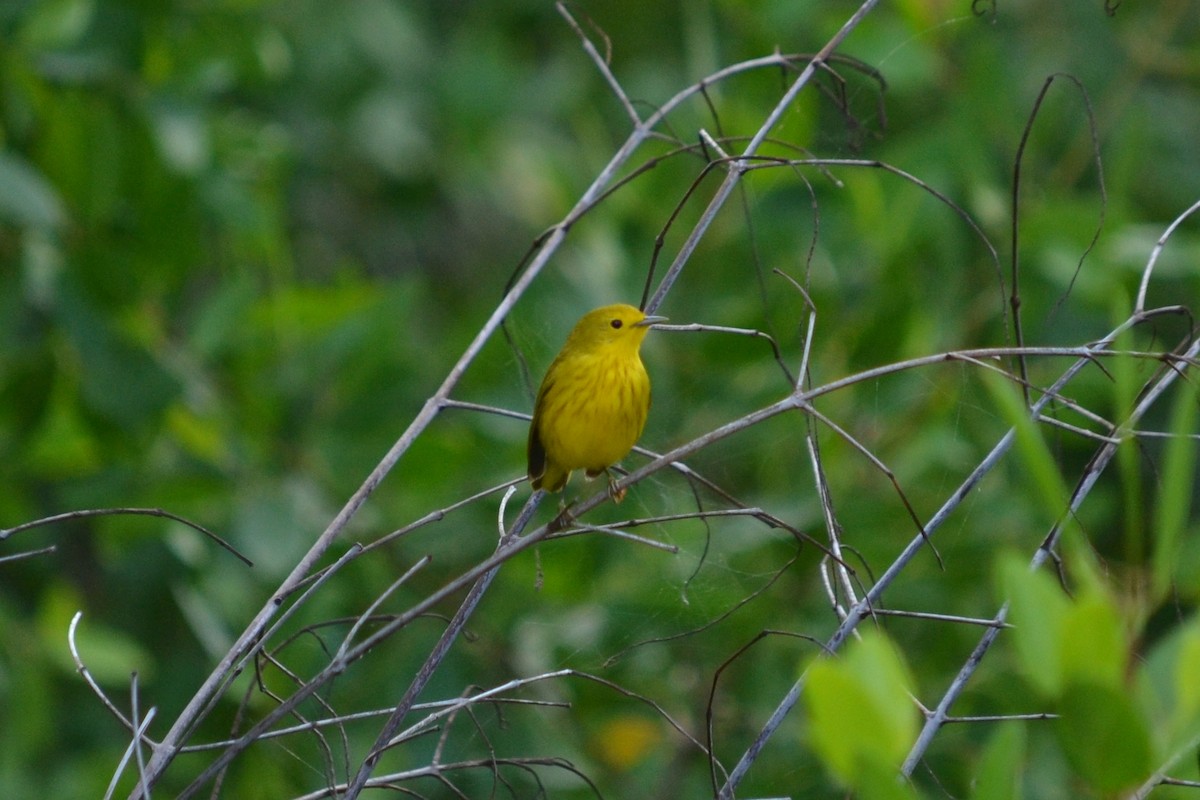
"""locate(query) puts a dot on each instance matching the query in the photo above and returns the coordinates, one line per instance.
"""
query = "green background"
(242, 242)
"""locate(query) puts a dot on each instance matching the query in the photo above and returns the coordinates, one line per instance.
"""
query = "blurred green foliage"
(241, 241)
(861, 720)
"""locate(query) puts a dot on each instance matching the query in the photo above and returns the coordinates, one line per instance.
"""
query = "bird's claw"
(616, 493)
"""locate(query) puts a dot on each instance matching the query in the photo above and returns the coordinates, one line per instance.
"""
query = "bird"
(592, 404)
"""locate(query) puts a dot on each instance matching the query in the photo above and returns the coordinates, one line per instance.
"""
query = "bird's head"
(610, 325)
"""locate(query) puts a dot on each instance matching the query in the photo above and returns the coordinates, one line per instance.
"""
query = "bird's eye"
(616, 323)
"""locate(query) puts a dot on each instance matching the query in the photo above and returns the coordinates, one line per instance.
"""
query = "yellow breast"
(594, 410)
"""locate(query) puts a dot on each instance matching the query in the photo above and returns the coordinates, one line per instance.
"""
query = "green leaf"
(876, 782)
(860, 712)
(1174, 499)
(1037, 610)
(1043, 472)
(1002, 764)
(1186, 708)
(1092, 645)
(1105, 736)
(1083, 568)
(1125, 391)
(840, 718)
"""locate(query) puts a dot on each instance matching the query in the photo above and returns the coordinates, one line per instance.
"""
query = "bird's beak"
(648, 321)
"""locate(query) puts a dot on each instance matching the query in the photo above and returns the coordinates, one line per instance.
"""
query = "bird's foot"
(564, 518)
(616, 493)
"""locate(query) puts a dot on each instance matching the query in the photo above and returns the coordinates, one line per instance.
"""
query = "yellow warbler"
(593, 402)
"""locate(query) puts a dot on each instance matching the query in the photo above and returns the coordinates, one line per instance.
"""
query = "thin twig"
(863, 607)
(1092, 473)
(82, 669)
(439, 651)
(119, 512)
(28, 554)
